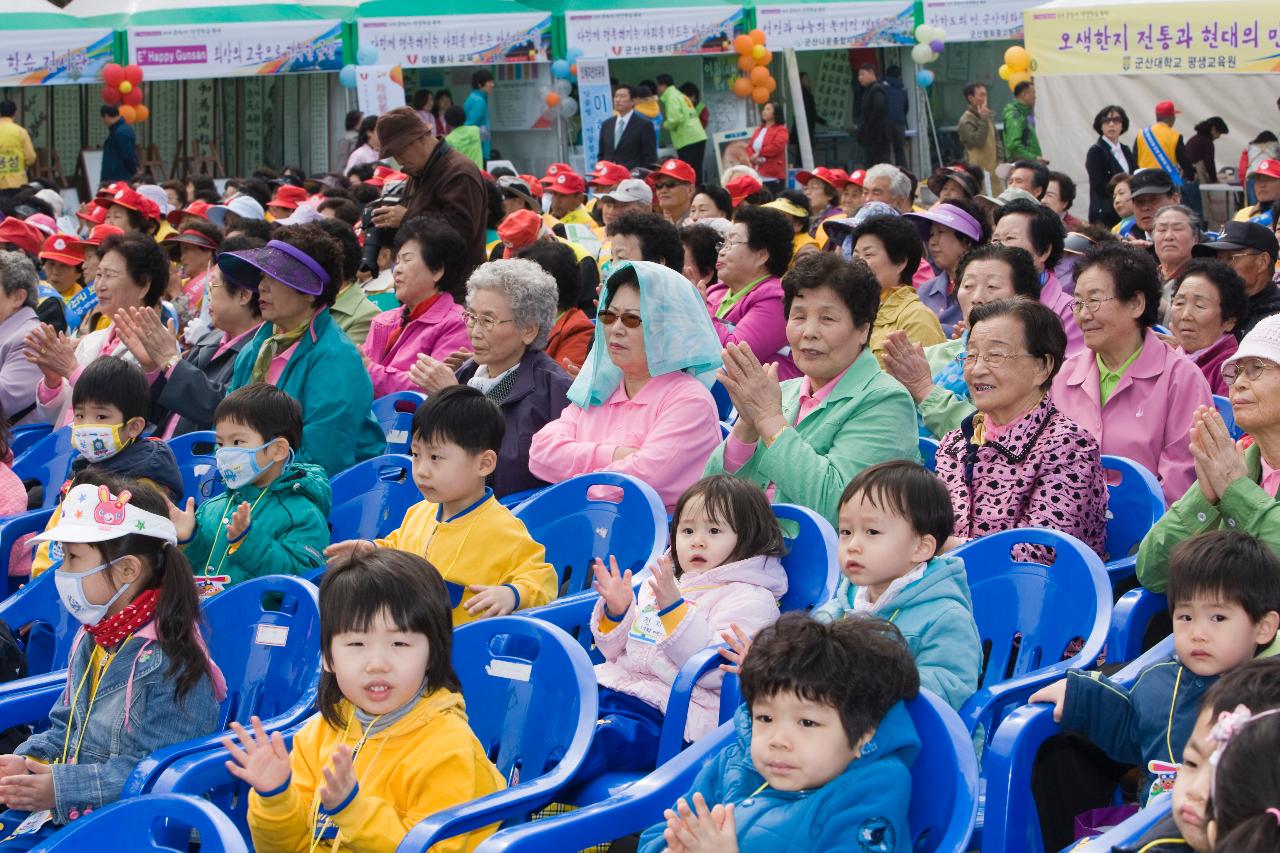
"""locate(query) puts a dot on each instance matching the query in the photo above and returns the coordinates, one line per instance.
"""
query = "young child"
(723, 569)
(490, 564)
(391, 744)
(273, 518)
(823, 749)
(153, 684)
(110, 403)
(1224, 596)
(1245, 781)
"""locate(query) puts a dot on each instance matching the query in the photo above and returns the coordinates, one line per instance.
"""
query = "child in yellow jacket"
(391, 744)
(490, 564)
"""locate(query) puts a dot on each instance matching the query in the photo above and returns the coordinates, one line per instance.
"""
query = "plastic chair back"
(811, 564)
(23, 438)
(394, 413)
(1134, 505)
(724, 404)
(161, 822)
(576, 528)
(194, 453)
(929, 452)
(47, 463)
(371, 498)
(1223, 405)
(52, 628)
(944, 778)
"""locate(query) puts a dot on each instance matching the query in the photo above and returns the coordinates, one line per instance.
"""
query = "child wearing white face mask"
(110, 403)
(273, 517)
(132, 688)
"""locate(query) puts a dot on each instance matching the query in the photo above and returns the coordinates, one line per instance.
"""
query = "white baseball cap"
(630, 191)
(244, 206)
(92, 514)
(156, 193)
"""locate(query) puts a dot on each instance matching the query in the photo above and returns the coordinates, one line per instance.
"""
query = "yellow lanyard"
(75, 702)
(222, 528)
(1173, 703)
(318, 825)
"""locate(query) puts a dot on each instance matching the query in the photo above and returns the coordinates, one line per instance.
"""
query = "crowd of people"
(568, 323)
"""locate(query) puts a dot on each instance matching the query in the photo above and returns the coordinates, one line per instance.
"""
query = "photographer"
(442, 183)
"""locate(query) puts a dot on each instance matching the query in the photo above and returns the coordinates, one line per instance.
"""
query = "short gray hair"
(531, 291)
(1191, 215)
(899, 183)
(18, 273)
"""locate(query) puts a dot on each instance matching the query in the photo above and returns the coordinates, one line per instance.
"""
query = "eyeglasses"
(631, 321)
(993, 359)
(1250, 369)
(729, 244)
(1093, 304)
(665, 185)
(481, 321)
(1233, 257)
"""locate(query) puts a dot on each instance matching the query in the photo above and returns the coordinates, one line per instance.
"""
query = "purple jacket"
(759, 321)
(1045, 471)
(18, 377)
(1210, 360)
(438, 333)
(938, 294)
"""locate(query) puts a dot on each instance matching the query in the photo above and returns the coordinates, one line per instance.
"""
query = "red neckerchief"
(115, 628)
(415, 314)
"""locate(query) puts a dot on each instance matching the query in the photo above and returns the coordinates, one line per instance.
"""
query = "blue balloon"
(924, 77)
(573, 54)
(347, 76)
(367, 55)
(560, 69)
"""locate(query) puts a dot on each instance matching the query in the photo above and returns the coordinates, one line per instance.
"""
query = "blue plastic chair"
(22, 438)
(194, 453)
(1129, 620)
(724, 403)
(160, 823)
(47, 462)
(943, 807)
(1127, 834)
(394, 413)
(36, 606)
(1028, 614)
(929, 452)
(1010, 821)
(371, 498)
(1223, 405)
(1134, 505)
(14, 528)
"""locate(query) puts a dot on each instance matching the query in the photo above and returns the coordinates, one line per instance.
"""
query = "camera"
(374, 237)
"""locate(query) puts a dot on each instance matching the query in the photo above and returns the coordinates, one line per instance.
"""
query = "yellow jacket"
(901, 308)
(1166, 137)
(16, 154)
(424, 763)
(487, 545)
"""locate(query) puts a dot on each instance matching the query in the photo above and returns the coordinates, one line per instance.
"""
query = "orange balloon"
(743, 44)
(742, 87)
(760, 95)
(766, 58)
(141, 113)
(756, 36)
(129, 114)
(397, 75)
(553, 98)
(771, 84)
(759, 74)
(746, 63)
(573, 69)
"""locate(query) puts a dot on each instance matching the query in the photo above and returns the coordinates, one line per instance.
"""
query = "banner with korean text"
(977, 20)
(236, 50)
(49, 57)
(439, 40)
(654, 31)
(1171, 38)
(822, 26)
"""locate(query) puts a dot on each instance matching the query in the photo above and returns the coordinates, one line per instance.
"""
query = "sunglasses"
(631, 321)
(665, 185)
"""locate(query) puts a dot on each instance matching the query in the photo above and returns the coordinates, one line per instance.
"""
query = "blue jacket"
(143, 459)
(135, 712)
(864, 808)
(1150, 722)
(896, 101)
(935, 616)
(327, 377)
(119, 153)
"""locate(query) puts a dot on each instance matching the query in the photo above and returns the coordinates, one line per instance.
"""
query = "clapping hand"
(339, 778)
(613, 586)
(739, 643)
(457, 358)
(260, 760)
(184, 520)
(239, 523)
(51, 351)
(431, 375)
(30, 789)
(146, 336)
(1219, 458)
(700, 829)
(904, 360)
(753, 388)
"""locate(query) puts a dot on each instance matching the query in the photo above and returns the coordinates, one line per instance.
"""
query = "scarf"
(951, 376)
(409, 317)
(372, 725)
(273, 346)
(496, 388)
(116, 627)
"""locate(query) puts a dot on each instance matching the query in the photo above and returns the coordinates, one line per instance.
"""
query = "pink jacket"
(1148, 416)
(672, 420)
(1059, 302)
(757, 320)
(1210, 360)
(745, 593)
(438, 333)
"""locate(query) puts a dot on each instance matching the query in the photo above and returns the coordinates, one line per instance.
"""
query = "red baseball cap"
(830, 177)
(288, 197)
(534, 185)
(677, 169)
(92, 213)
(1166, 108)
(63, 248)
(553, 170)
(741, 187)
(858, 177)
(106, 192)
(567, 183)
(198, 209)
(192, 238)
(1270, 168)
(608, 174)
(131, 200)
(842, 177)
(24, 235)
(100, 233)
(382, 175)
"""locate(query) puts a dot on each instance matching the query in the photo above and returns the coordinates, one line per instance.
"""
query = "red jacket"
(773, 150)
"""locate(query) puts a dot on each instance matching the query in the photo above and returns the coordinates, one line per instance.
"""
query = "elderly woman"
(809, 436)
(511, 307)
(701, 252)
(1018, 461)
(1040, 231)
(1133, 392)
(746, 302)
(430, 257)
(641, 405)
(1174, 236)
(133, 273)
(951, 229)
(187, 387)
(1234, 488)
(891, 249)
(18, 375)
(1208, 304)
(934, 376)
(794, 205)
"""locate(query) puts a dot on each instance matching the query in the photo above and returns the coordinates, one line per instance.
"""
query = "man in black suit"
(628, 138)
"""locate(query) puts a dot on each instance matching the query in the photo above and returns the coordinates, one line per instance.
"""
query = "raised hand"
(739, 643)
(905, 361)
(614, 586)
(52, 351)
(184, 520)
(663, 585)
(490, 600)
(239, 522)
(261, 759)
(339, 778)
(431, 375)
(456, 359)
(753, 388)
(1218, 457)
(702, 829)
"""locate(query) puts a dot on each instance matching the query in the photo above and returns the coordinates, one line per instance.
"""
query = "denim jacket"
(135, 713)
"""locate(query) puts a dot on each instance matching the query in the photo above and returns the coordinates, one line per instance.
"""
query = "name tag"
(648, 627)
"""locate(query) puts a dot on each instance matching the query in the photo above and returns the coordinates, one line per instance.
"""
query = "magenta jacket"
(759, 321)
(1045, 471)
(438, 333)
(1148, 417)
(1211, 358)
(1059, 302)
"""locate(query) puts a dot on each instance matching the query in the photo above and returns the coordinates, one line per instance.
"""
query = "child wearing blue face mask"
(273, 517)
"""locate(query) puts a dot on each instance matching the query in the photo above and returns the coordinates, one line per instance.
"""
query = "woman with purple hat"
(300, 348)
(950, 230)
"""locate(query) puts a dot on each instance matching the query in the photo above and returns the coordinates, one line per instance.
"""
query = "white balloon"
(923, 54)
(931, 33)
(939, 34)
(562, 88)
(922, 34)
(568, 107)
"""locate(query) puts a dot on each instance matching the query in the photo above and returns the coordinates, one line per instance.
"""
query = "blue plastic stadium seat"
(194, 454)
(371, 497)
(1134, 504)
(394, 413)
(724, 403)
(159, 823)
(1223, 405)
(1127, 834)
(23, 438)
(47, 463)
(1129, 620)
(929, 452)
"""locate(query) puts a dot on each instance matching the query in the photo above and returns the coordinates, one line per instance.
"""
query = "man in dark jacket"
(442, 181)
(896, 97)
(874, 132)
(120, 151)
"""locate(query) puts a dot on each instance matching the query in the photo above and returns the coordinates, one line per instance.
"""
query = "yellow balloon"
(1017, 58)
(1016, 77)
(126, 87)
(1004, 72)
(757, 52)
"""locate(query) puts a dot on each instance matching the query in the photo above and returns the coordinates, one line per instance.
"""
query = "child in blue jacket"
(824, 748)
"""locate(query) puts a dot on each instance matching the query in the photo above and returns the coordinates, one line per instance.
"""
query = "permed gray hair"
(899, 183)
(528, 287)
(1178, 208)
(17, 272)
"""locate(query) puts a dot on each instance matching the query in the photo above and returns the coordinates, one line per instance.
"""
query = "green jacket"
(288, 529)
(354, 312)
(466, 140)
(942, 411)
(1020, 140)
(867, 418)
(326, 375)
(680, 118)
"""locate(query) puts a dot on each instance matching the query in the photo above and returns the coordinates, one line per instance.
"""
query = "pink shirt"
(278, 364)
(1270, 478)
(757, 320)
(672, 420)
(438, 332)
(737, 453)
